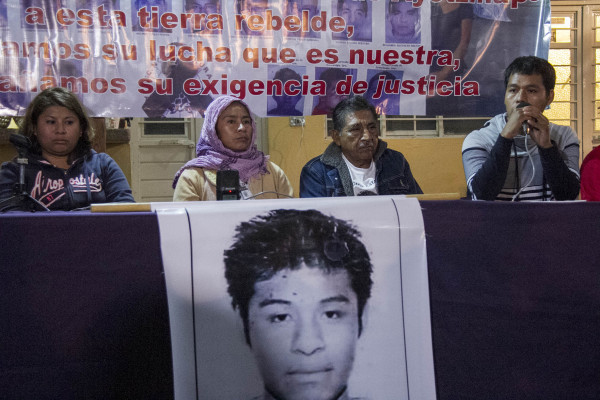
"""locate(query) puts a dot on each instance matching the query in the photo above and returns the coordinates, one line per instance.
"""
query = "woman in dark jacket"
(63, 172)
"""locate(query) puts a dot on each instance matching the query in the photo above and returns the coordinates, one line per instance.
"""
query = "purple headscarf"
(211, 154)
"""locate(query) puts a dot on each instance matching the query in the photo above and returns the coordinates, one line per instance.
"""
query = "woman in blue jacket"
(63, 172)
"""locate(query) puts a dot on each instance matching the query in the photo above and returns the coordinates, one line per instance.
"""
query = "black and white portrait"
(403, 22)
(302, 302)
(358, 17)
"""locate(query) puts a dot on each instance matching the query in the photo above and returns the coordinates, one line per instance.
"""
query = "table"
(514, 289)
(515, 299)
(84, 307)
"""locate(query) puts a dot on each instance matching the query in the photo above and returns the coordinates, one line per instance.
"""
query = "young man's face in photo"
(257, 7)
(285, 101)
(355, 14)
(295, 7)
(387, 101)
(403, 18)
(303, 327)
(331, 97)
(253, 8)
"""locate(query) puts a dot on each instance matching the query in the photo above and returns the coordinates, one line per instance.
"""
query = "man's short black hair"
(347, 106)
(392, 3)
(286, 74)
(331, 76)
(291, 74)
(364, 4)
(532, 65)
(388, 76)
(190, 3)
(286, 239)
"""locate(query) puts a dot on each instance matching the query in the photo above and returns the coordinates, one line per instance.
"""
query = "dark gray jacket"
(328, 176)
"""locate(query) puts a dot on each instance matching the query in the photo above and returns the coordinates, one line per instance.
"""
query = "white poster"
(298, 299)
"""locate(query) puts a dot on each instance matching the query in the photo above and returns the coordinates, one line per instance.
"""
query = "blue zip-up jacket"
(94, 178)
(328, 176)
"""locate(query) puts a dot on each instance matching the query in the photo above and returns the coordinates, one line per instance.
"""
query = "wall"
(121, 153)
(7, 152)
(436, 163)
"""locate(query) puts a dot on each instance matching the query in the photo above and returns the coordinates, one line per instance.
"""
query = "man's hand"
(539, 126)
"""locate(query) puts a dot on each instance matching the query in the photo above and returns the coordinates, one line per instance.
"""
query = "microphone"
(20, 141)
(525, 125)
(228, 185)
(21, 200)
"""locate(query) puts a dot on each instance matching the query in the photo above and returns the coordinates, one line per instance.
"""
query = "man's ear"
(335, 135)
(550, 98)
(364, 319)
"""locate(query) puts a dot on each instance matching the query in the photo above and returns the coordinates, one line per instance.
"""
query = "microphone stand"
(21, 200)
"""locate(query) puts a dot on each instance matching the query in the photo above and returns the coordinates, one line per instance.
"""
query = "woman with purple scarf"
(227, 141)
